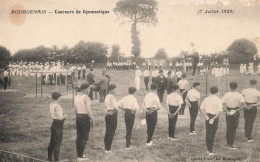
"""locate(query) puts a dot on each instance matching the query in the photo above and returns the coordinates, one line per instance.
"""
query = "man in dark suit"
(169, 82)
(91, 81)
(103, 83)
(161, 82)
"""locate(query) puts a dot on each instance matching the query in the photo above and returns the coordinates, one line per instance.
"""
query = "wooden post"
(56, 81)
(36, 87)
(226, 79)
(67, 82)
(206, 83)
(41, 83)
(218, 85)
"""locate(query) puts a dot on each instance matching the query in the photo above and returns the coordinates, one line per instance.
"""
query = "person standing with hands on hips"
(111, 117)
(84, 119)
(233, 102)
(211, 108)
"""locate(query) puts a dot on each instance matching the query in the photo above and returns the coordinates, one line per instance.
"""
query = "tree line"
(240, 51)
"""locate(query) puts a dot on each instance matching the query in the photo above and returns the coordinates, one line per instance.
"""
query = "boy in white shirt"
(151, 105)
(110, 118)
(146, 78)
(251, 96)
(173, 102)
(211, 108)
(184, 86)
(193, 101)
(57, 127)
(233, 102)
(130, 106)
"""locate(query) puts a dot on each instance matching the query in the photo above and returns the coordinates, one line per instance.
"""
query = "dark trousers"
(58, 79)
(111, 124)
(83, 128)
(249, 116)
(56, 138)
(51, 78)
(5, 82)
(91, 94)
(84, 74)
(146, 81)
(153, 80)
(232, 124)
(62, 79)
(79, 71)
(172, 121)
(160, 95)
(184, 103)
(211, 130)
(193, 114)
(43, 79)
(151, 120)
(103, 94)
(129, 123)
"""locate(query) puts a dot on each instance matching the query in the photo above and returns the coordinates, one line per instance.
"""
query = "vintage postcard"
(108, 50)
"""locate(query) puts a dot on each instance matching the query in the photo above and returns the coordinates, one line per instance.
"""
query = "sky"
(179, 25)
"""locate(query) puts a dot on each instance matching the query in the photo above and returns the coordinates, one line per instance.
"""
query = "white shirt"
(155, 73)
(146, 73)
(128, 102)
(183, 84)
(174, 99)
(80, 104)
(178, 74)
(193, 95)
(56, 111)
(138, 73)
(251, 95)
(212, 104)
(232, 99)
(111, 102)
(6, 73)
(151, 100)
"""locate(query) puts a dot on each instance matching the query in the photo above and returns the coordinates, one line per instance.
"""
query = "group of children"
(244, 69)
(211, 107)
(50, 72)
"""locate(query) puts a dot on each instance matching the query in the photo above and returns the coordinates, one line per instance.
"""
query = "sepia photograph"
(129, 80)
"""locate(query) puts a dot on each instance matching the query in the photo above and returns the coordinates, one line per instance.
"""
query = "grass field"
(25, 126)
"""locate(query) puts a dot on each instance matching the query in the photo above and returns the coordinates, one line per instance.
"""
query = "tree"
(137, 11)
(39, 53)
(241, 51)
(115, 53)
(161, 54)
(5, 56)
(85, 52)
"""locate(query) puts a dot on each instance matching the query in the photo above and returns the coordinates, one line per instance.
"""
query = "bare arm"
(217, 115)
(88, 109)
(204, 113)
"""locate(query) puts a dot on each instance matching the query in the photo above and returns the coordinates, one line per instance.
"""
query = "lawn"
(25, 126)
